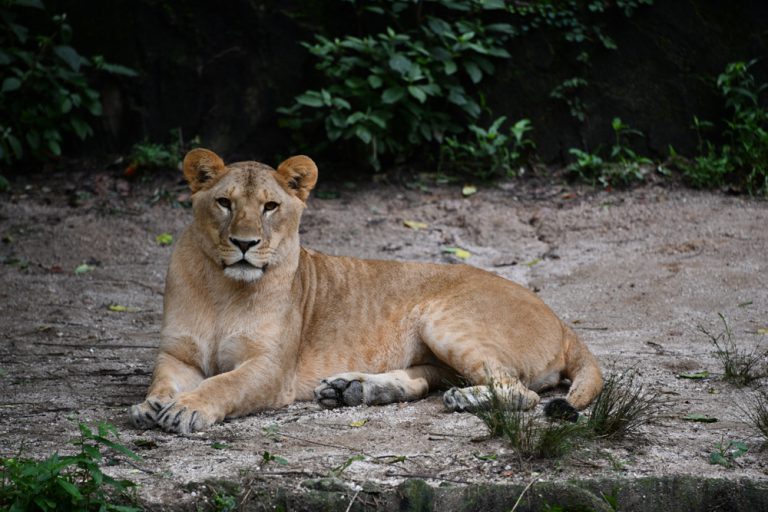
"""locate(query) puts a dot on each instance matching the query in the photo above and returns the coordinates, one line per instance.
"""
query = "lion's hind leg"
(354, 388)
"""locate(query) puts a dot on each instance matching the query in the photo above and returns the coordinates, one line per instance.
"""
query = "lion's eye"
(224, 203)
(268, 207)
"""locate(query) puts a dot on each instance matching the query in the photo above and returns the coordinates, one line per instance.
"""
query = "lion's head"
(247, 214)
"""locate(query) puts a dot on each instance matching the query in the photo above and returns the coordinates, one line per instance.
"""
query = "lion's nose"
(244, 245)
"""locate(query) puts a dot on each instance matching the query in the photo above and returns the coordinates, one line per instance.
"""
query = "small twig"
(519, 498)
(245, 496)
(352, 501)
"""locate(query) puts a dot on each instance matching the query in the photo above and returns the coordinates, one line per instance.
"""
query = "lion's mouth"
(245, 265)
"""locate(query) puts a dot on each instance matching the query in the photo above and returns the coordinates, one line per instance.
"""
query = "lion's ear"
(201, 166)
(298, 175)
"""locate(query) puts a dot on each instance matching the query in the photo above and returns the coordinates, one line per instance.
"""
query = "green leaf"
(69, 488)
(114, 69)
(439, 26)
(10, 84)
(393, 95)
(363, 133)
(375, 81)
(418, 93)
(33, 139)
(70, 56)
(699, 418)
(449, 67)
(83, 268)
(717, 458)
(310, 99)
(18, 152)
(117, 308)
(219, 446)
(54, 147)
(81, 128)
(473, 71)
(400, 63)
(164, 239)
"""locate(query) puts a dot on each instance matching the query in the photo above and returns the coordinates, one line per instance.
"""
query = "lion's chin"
(243, 271)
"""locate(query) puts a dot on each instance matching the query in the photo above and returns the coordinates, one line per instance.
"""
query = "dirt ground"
(635, 273)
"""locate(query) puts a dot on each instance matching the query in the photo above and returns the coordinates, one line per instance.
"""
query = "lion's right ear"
(201, 166)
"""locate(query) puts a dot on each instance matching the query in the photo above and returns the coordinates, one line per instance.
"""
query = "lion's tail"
(582, 369)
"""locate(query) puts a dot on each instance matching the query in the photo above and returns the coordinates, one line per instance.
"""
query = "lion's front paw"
(144, 415)
(339, 391)
(184, 416)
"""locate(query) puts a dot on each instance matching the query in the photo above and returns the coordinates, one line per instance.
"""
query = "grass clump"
(756, 412)
(622, 407)
(739, 367)
(67, 482)
(529, 435)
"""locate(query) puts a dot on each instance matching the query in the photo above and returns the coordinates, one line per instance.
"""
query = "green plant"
(488, 153)
(150, 155)
(622, 407)
(341, 468)
(413, 73)
(756, 412)
(621, 167)
(739, 367)
(67, 482)
(567, 91)
(223, 502)
(45, 93)
(529, 435)
(390, 92)
(726, 454)
(268, 457)
(742, 159)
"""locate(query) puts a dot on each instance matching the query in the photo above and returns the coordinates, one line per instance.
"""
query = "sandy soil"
(635, 273)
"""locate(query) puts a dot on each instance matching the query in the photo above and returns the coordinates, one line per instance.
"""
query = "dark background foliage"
(220, 71)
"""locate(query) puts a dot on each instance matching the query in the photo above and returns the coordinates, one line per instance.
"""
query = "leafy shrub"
(66, 482)
(622, 407)
(410, 80)
(725, 454)
(621, 167)
(391, 92)
(45, 92)
(153, 155)
(488, 153)
(742, 159)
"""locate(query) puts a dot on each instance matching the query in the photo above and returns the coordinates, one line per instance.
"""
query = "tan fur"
(295, 324)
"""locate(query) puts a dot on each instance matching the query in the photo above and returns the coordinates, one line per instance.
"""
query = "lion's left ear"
(298, 175)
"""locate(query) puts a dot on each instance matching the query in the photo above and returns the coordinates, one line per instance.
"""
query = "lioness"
(252, 320)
